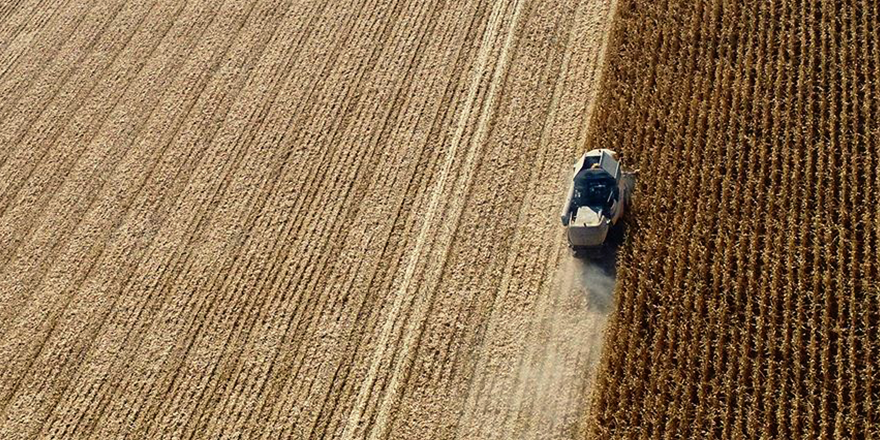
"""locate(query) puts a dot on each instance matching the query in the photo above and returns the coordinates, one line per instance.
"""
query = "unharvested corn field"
(748, 293)
(294, 218)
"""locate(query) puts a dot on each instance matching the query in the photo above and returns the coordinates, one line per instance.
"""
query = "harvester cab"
(597, 196)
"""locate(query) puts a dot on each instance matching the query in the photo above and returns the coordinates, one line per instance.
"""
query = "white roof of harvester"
(607, 163)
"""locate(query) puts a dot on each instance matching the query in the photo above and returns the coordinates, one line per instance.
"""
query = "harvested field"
(748, 294)
(294, 219)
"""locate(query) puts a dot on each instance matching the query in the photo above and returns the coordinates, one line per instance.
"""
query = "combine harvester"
(599, 192)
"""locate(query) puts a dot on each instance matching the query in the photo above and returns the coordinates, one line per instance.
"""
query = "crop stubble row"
(274, 218)
(748, 298)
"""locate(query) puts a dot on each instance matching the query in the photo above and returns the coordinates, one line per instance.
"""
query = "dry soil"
(294, 219)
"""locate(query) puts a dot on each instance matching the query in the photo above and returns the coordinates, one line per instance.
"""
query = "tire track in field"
(293, 168)
(300, 301)
(411, 222)
(331, 173)
(231, 280)
(333, 161)
(432, 360)
(355, 426)
(327, 310)
(556, 356)
(358, 276)
(246, 232)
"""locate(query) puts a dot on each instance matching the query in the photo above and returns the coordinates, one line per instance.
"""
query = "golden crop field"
(294, 218)
(748, 293)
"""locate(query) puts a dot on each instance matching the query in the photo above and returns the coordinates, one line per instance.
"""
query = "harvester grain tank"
(597, 197)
